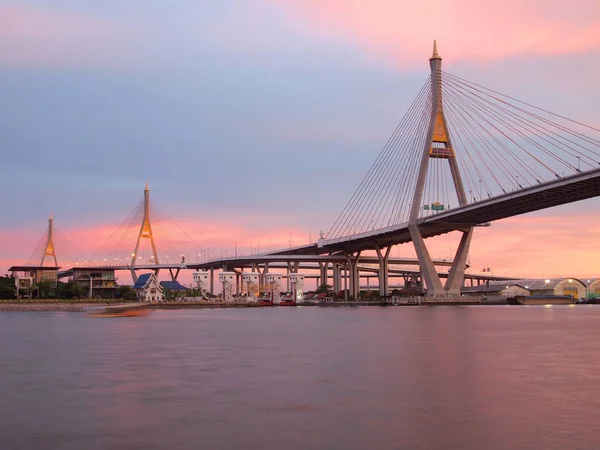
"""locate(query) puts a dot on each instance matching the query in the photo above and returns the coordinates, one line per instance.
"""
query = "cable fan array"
(67, 254)
(501, 145)
(173, 245)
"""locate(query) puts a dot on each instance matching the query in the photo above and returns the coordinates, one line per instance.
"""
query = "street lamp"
(546, 283)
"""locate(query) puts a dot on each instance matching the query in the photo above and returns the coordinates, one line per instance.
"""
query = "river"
(480, 377)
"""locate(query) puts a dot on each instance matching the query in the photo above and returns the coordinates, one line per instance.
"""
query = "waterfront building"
(148, 288)
(593, 287)
(532, 286)
(28, 278)
(99, 281)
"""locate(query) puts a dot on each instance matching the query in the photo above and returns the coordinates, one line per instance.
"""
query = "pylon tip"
(50, 216)
(435, 51)
(146, 188)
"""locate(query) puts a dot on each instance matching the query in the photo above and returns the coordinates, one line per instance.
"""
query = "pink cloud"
(465, 29)
(33, 37)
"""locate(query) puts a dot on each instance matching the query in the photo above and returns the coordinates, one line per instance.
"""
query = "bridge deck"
(545, 195)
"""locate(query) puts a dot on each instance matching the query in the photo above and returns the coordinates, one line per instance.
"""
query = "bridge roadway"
(569, 189)
(309, 262)
(261, 259)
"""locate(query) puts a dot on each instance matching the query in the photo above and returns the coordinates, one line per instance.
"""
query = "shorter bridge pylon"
(144, 233)
(49, 249)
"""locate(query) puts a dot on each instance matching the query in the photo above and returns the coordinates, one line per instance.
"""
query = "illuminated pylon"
(145, 233)
(49, 249)
(438, 145)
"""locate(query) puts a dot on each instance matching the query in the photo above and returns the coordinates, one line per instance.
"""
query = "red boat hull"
(265, 303)
(287, 303)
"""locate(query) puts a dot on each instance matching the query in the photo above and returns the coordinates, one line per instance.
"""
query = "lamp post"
(91, 284)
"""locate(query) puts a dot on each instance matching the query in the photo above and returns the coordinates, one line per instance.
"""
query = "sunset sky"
(255, 120)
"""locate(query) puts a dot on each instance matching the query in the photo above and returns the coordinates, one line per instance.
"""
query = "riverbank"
(68, 306)
(80, 305)
(44, 307)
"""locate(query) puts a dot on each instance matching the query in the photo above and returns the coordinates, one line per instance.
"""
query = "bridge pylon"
(49, 249)
(438, 144)
(144, 233)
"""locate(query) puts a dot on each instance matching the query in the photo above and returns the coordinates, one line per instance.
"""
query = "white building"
(228, 281)
(201, 279)
(148, 288)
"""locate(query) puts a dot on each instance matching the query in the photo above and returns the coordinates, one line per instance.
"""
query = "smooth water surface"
(303, 378)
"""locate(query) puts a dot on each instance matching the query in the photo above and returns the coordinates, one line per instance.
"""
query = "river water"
(480, 377)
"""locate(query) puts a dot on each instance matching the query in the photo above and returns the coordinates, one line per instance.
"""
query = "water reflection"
(355, 378)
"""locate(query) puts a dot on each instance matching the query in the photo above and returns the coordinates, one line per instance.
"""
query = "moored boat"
(265, 303)
(541, 300)
(287, 303)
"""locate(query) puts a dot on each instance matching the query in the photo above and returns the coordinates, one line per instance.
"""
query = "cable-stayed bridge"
(462, 156)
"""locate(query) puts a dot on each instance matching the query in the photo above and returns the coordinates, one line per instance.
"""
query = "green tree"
(77, 291)
(324, 288)
(127, 293)
(45, 289)
(7, 287)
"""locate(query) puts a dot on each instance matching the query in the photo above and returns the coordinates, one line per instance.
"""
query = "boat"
(265, 303)
(541, 300)
(125, 310)
(287, 302)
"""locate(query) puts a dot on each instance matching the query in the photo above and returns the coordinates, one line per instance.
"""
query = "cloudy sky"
(255, 120)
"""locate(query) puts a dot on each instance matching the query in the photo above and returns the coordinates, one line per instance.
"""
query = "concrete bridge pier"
(174, 276)
(428, 272)
(383, 270)
(457, 271)
(324, 268)
(337, 285)
(262, 273)
(354, 274)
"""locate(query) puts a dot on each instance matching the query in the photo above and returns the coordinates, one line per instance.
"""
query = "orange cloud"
(58, 38)
(532, 246)
(466, 29)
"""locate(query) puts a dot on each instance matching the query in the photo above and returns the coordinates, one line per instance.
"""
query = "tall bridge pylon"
(461, 156)
(438, 145)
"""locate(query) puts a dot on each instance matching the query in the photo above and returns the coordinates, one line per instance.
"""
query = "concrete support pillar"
(345, 275)
(354, 275)
(323, 268)
(212, 281)
(320, 279)
(336, 277)
(457, 271)
(261, 278)
(174, 275)
(434, 285)
(383, 271)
